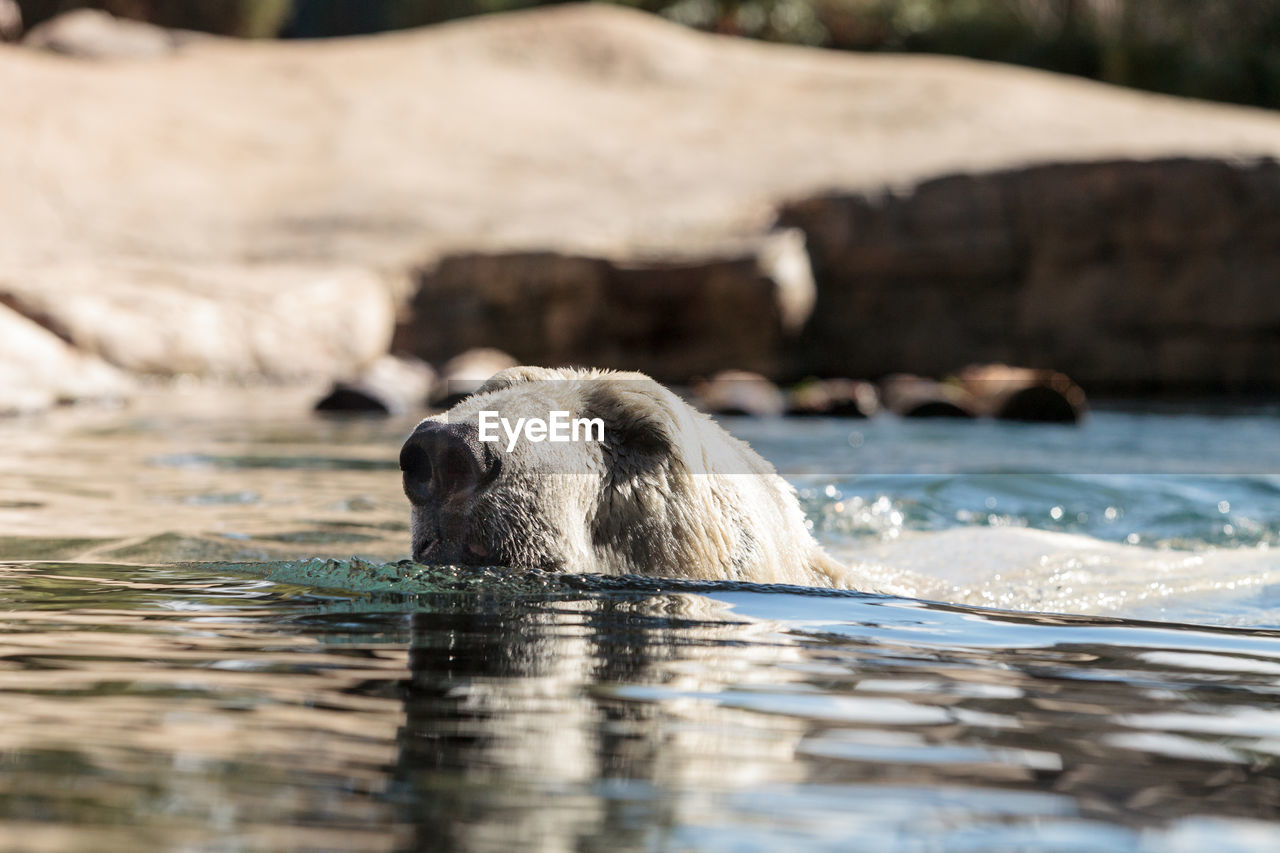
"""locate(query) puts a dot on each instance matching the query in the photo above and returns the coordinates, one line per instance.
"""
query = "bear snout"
(441, 461)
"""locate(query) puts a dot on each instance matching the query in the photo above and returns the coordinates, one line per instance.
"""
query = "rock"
(379, 155)
(10, 21)
(1024, 394)
(392, 385)
(783, 259)
(916, 397)
(839, 398)
(1102, 270)
(95, 34)
(256, 19)
(463, 375)
(39, 370)
(666, 318)
(739, 392)
(272, 321)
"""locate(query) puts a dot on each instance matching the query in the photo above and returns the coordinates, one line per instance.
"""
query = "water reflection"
(166, 711)
(516, 732)
(654, 723)
(187, 708)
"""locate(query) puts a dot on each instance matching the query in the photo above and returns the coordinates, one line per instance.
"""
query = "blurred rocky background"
(1225, 50)
(217, 190)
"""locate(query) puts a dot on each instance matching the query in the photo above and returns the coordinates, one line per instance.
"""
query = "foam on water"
(1023, 569)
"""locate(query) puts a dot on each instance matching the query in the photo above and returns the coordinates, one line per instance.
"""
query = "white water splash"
(1022, 569)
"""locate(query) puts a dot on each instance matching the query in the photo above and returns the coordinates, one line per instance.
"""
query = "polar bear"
(646, 486)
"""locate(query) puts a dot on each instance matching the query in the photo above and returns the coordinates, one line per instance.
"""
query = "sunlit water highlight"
(189, 658)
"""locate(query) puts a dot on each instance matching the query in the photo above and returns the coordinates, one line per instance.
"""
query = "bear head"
(591, 471)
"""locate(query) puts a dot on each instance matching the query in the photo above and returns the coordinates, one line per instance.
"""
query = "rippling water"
(190, 660)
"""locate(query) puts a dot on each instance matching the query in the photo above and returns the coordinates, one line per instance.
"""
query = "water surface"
(191, 660)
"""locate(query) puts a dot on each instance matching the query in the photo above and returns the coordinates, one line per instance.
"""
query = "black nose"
(440, 460)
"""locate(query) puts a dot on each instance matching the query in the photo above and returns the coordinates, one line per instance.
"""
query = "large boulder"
(10, 20)
(94, 34)
(674, 318)
(39, 370)
(232, 322)
(251, 18)
(1131, 277)
(643, 163)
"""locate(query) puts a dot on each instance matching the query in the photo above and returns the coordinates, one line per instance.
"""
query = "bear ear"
(638, 419)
